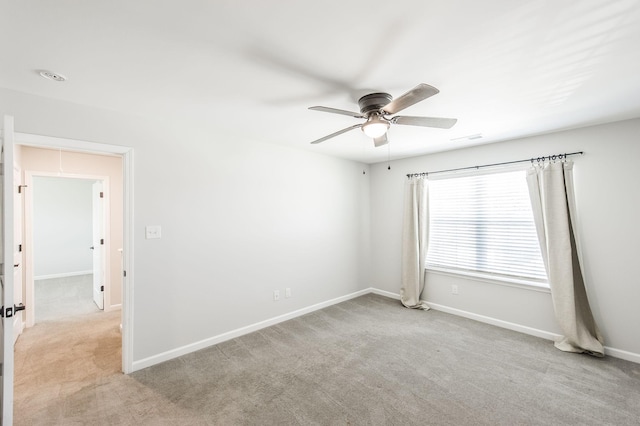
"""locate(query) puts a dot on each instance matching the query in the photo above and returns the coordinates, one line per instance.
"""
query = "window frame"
(493, 278)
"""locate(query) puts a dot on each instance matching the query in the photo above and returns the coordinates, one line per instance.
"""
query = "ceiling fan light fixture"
(377, 107)
(374, 127)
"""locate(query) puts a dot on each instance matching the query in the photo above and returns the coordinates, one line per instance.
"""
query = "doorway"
(13, 253)
(71, 269)
(73, 338)
(69, 158)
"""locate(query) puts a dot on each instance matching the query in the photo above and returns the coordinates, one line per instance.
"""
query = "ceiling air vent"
(467, 138)
(50, 75)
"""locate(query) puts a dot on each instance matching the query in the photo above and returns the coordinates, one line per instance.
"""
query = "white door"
(7, 276)
(98, 244)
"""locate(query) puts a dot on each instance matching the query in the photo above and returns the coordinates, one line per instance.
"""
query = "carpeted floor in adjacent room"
(365, 361)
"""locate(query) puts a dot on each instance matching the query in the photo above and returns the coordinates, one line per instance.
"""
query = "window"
(483, 224)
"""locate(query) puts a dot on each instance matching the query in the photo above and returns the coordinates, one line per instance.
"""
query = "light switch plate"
(153, 231)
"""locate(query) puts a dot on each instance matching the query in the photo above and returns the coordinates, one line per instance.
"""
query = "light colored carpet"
(57, 359)
(59, 298)
(366, 361)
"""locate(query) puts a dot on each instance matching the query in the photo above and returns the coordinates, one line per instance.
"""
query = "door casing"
(28, 238)
(100, 237)
(126, 153)
(18, 216)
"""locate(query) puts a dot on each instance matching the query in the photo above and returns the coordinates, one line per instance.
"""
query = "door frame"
(28, 239)
(126, 153)
(101, 256)
(18, 200)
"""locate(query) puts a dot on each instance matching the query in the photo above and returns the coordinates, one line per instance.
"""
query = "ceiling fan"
(376, 109)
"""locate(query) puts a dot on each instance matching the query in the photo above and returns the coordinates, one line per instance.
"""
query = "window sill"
(493, 279)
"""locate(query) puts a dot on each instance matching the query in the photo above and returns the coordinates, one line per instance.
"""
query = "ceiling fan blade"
(337, 111)
(419, 93)
(339, 132)
(440, 123)
(382, 140)
(271, 56)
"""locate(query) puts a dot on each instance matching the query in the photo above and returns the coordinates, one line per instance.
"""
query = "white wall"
(62, 222)
(608, 201)
(242, 218)
(239, 219)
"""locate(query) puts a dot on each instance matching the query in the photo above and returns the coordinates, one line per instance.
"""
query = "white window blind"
(484, 224)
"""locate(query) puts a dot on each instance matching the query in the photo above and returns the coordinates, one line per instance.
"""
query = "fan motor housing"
(373, 102)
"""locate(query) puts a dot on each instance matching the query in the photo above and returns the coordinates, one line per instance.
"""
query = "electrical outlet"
(454, 289)
(287, 292)
(276, 295)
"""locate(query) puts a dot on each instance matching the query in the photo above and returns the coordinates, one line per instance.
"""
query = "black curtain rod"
(537, 159)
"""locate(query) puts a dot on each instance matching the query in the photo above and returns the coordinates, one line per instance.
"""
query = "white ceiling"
(249, 68)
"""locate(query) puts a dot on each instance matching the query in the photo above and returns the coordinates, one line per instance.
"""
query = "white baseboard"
(385, 293)
(618, 353)
(476, 317)
(116, 307)
(481, 318)
(174, 353)
(613, 352)
(183, 350)
(498, 323)
(63, 275)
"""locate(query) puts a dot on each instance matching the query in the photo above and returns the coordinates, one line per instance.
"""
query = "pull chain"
(364, 154)
(389, 155)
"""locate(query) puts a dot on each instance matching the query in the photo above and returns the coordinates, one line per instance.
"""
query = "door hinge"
(19, 248)
(124, 273)
(101, 288)
(101, 194)
(20, 188)
(101, 241)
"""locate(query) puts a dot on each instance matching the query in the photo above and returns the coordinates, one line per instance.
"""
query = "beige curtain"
(553, 202)
(414, 242)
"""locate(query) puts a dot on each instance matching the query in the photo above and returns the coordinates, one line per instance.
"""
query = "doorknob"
(91, 247)
(8, 313)
(15, 265)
